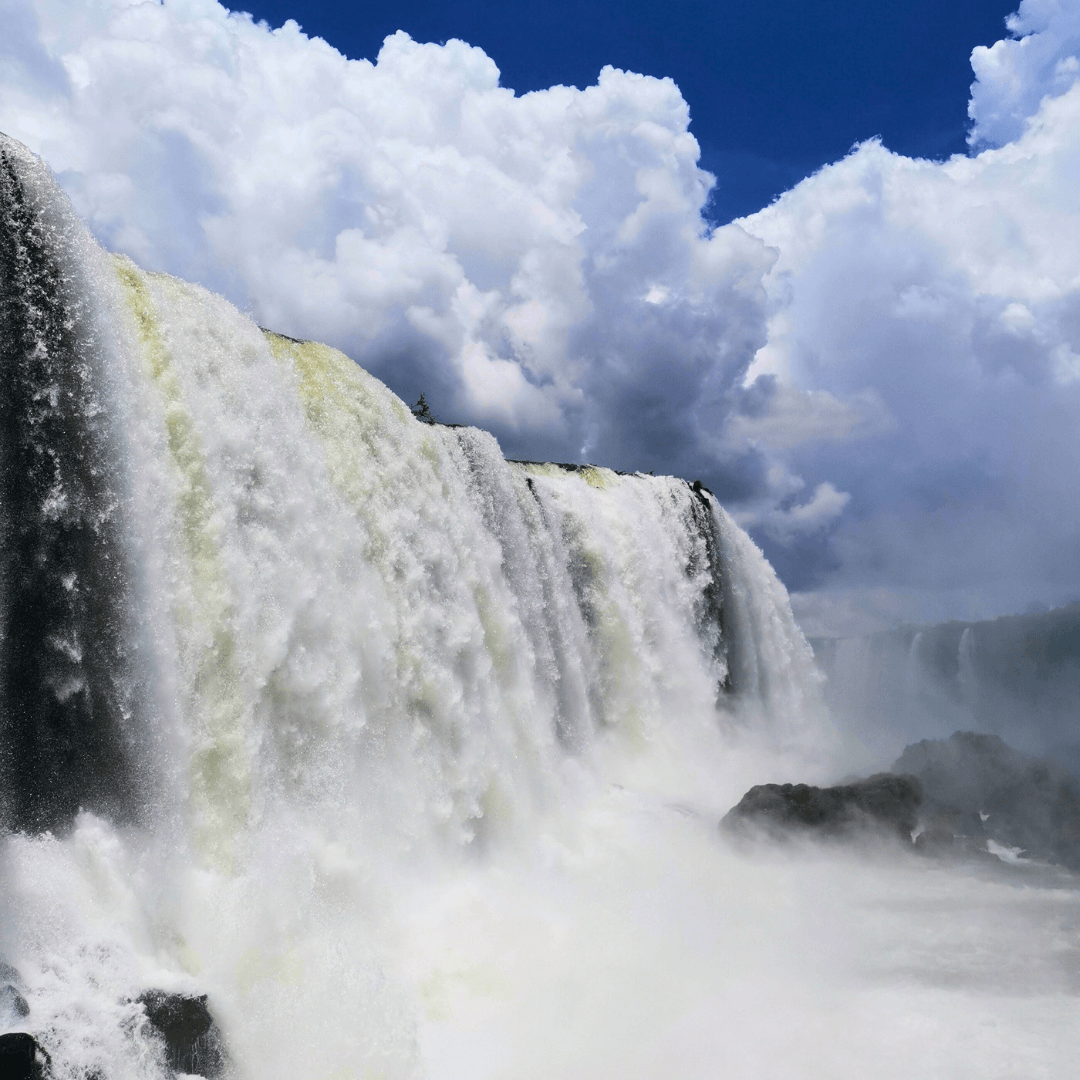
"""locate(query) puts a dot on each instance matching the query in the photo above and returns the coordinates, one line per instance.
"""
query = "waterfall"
(272, 647)
(1016, 676)
(71, 706)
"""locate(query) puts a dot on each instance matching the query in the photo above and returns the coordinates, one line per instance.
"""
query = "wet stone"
(13, 1006)
(979, 790)
(191, 1037)
(12, 1003)
(881, 803)
(22, 1057)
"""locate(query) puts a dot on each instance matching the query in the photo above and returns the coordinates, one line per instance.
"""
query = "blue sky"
(775, 90)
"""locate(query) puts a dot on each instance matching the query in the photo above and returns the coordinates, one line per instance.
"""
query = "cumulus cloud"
(786, 524)
(952, 290)
(1015, 74)
(880, 373)
(537, 264)
(774, 415)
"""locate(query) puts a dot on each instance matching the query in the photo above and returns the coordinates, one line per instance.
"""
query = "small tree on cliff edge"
(422, 411)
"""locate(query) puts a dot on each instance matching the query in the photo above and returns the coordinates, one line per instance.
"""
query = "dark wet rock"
(882, 803)
(945, 837)
(12, 1003)
(970, 796)
(72, 692)
(22, 1057)
(191, 1037)
(977, 788)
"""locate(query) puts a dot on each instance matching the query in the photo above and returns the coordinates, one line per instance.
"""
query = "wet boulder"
(22, 1057)
(191, 1037)
(12, 1003)
(13, 1006)
(980, 791)
(883, 803)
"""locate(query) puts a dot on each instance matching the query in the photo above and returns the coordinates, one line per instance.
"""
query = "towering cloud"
(878, 373)
(953, 292)
(537, 264)
(1015, 75)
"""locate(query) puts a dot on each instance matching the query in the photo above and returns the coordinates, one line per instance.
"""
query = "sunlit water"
(412, 758)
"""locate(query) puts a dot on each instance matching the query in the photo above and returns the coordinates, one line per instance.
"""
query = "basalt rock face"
(968, 796)
(22, 1058)
(978, 789)
(191, 1038)
(882, 803)
(69, 694)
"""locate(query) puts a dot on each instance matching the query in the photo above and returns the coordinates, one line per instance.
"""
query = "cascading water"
(261, 624)
(71, 712)
(408, 756)
(1017, 676)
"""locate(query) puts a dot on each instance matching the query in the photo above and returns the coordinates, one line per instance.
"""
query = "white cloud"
(954, 291)
(449, 235)
(1014, 75)
(785, 525)
(778, 416)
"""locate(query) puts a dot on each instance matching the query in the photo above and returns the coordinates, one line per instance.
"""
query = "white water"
(433, 754)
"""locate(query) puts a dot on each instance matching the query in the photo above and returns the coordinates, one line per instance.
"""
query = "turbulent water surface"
(411, 757)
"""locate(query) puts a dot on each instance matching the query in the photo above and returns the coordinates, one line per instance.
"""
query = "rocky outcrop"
(12, 1003)
(884, 803)
(980, 793)
(13, 1006)
(22, 1057)
(967, 796)
(192, 1040)
(189, 1039)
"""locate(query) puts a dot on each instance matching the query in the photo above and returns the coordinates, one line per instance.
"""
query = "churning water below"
(410, 757)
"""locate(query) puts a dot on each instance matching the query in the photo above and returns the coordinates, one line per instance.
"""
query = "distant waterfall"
(1017, 676)
(252, 608)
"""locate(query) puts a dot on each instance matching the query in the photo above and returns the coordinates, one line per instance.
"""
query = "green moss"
(220, 782)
